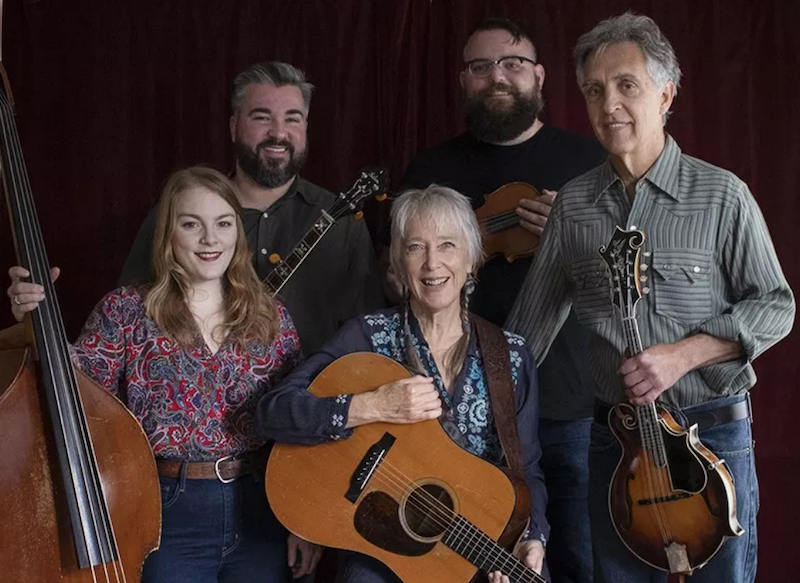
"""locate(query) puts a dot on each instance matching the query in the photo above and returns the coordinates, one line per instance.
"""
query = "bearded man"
(506, 142)
(270, 103)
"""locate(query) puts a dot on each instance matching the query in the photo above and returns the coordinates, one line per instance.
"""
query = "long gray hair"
(437, 206)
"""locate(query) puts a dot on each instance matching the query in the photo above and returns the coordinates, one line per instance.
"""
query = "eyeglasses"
(511, 64)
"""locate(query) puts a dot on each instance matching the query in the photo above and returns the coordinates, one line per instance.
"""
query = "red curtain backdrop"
(112, 95)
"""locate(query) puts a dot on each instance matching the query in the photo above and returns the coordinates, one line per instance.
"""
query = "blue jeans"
(217, 533)
(358, 568)
(736, 560)
(565, 459)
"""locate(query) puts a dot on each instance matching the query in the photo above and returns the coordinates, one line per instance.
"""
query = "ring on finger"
(16, 300)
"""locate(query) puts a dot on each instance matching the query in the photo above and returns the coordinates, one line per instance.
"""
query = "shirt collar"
(664, 173)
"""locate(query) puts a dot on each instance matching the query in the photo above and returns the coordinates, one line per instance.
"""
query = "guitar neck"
(284, 270)
(470, 542)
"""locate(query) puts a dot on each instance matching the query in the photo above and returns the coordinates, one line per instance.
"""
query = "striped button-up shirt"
(708, 259)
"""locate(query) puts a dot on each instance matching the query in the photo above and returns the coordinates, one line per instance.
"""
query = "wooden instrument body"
(306, 486)
(36, 543)
(502, 233)
(696, 497)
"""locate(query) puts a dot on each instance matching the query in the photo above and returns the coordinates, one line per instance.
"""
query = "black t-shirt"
(550, 159)
(337, 281)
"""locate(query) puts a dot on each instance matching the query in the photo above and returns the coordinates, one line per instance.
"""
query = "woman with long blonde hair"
(190, 355)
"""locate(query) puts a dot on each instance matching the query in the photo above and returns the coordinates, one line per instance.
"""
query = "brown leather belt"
(225, 469)
(704, 419)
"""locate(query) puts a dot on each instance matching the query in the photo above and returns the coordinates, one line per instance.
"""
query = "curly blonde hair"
(250, 311)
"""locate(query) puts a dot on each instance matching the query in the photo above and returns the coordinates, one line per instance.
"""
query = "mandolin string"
(48, 317)
(645, 430)
(646, 433)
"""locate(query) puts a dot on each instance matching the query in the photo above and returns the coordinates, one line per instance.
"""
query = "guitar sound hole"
(428, 511)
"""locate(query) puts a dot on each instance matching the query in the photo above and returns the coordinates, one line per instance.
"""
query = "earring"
(470, 284)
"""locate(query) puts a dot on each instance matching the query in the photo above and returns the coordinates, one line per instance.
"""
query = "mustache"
(505, 87)
(273, 142)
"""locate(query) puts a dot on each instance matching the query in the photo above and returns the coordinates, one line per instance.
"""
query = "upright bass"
(79, 493)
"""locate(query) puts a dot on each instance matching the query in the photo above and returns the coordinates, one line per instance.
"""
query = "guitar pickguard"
(377, 519)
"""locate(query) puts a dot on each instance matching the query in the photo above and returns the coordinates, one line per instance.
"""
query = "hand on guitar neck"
(531, 553)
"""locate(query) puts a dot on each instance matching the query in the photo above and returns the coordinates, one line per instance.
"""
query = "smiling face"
(505, 103)
(625, 107)
(269, 133)
(204, 234)
(435, 265)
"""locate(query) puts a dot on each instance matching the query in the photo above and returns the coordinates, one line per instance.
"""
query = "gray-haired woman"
(436, 249)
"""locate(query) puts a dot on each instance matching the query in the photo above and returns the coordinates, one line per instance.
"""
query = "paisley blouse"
(192, 404)
(291, 414)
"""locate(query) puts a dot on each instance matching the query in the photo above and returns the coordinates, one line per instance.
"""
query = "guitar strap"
(494, 348)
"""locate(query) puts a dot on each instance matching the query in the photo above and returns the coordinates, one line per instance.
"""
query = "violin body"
(692, 499)
(499, 222)
(36, 544)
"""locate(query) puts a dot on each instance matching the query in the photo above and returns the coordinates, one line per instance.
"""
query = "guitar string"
(481, 547)
(16, 179)
(493, 554)
(396, 480)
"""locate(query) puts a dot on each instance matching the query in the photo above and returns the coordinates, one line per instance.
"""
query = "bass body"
(406, 495)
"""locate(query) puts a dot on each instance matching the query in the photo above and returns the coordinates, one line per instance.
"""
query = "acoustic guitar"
(370, 182)
(406, 495)
(672, 501)
(500, 223)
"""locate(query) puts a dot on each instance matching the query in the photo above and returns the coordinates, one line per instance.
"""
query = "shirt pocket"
(592, 303)
(681, 284)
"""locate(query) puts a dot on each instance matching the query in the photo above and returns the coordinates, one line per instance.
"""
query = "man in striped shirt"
(714, 295)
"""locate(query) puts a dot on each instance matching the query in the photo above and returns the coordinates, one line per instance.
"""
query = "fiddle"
(500, 224)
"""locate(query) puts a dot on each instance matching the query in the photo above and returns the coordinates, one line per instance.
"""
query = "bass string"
(51, 327)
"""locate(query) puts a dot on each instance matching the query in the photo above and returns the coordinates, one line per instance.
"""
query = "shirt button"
(265, 214)
(263, 251)
(696, 269)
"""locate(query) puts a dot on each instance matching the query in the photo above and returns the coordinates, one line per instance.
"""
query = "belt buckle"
(216, 470)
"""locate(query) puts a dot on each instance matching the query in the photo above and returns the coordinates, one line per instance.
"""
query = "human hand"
(531, 553)
(405, 401)
(653, 371)
(533, 212)
(25, 296)
(309, 556)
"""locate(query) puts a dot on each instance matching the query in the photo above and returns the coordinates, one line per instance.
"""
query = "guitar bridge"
(368, 466)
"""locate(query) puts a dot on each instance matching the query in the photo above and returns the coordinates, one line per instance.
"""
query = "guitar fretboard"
(281, 273)
(474, 545)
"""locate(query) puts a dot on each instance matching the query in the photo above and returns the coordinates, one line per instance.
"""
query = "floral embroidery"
(341, 399)
(467, 417)
(338, 420)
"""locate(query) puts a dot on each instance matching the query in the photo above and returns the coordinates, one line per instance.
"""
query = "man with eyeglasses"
(506, 142)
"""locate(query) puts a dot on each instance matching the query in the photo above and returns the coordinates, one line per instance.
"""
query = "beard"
(270, 173)
(502, 124)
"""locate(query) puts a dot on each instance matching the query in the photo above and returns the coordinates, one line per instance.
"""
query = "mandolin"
(499, 222)
(672, 501)
(370, 182)
(406, 495)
